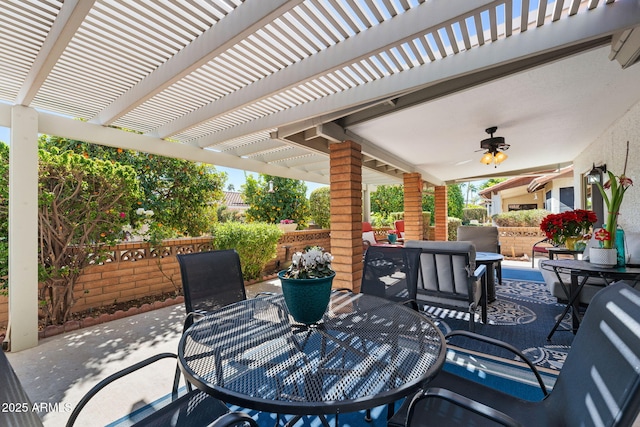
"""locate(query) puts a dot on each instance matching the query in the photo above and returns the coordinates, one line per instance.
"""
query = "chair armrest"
(234, 419)
(111, 378)
(504, 345)
(466, 403)
(479, 272)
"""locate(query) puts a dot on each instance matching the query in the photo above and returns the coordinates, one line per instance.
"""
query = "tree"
(82, 205)
(272, 199)
(320, 206)
(387, 199)
(182, 194)
(455, 202)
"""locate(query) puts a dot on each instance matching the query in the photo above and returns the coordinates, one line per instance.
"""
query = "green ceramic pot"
(307, 299)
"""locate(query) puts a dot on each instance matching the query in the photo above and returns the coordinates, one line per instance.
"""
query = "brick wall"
(517, 241)
(134, 271)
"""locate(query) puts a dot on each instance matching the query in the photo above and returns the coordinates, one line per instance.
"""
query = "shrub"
(319, 205)
(256, 243)
(452, 232)
(527, 218)
(477, 213)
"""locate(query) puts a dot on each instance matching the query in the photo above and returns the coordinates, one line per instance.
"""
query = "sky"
(236, 177)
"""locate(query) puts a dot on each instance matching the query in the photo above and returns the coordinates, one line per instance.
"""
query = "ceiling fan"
(493, 146)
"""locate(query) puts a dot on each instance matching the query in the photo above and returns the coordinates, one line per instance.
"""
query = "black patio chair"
(392, 273)
(448, 277)
(599, 383)
(195, 408)
(210, 280)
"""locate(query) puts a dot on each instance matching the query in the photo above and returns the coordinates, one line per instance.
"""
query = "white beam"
(74, 129)
(71, 16)
(429, 15)
(23, 229)
(233, 28)
(597, 23)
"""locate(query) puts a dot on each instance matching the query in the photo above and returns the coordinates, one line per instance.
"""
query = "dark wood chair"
(599, 383)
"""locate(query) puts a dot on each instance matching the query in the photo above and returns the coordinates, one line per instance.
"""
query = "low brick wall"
(296, 241)
(517, 241)
(134, 271)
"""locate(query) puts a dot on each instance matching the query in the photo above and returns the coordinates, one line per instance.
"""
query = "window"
(566, 199)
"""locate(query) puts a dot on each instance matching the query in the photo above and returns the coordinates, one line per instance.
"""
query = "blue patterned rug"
(522, 315)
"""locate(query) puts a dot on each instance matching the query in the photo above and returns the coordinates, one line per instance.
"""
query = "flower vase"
(620, 247)
(306, 299)
(570, 242)
(392, 238)
(288, 227)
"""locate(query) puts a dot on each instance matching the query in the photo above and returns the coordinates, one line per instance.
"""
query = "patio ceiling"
(266, 86)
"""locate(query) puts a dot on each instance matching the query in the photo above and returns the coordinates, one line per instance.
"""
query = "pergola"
(350, 93)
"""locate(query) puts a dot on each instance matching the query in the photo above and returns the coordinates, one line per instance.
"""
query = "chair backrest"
(211, 280)
(367, 233)
(11, 392)
(446, 268)
(399, 226)
(600, 379)
(486, 239)
(391, 272)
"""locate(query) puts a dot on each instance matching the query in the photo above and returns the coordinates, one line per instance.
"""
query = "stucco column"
(346, 214)
(413, 221)
(23, 229)
(441, 207)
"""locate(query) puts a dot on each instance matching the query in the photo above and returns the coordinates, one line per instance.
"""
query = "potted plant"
(288, 225)
(306, 284)
(392, 236)
(568, 227)
(617, 186)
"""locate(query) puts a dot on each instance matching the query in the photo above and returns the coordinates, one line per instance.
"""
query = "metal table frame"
(366, 352)
(490, 260)
(580, 271)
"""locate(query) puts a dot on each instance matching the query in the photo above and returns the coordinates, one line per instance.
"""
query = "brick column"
(413, 221)
(346, 214)
(441, 222)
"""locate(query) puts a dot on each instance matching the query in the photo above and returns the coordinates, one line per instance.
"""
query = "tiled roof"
(233, 200)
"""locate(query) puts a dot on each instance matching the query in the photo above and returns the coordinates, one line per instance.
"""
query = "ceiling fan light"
(500, 157)
(487, 158)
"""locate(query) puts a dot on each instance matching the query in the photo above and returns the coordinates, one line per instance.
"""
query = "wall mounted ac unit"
(625, 47)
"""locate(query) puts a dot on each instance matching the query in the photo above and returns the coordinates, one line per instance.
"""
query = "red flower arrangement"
(576, 223)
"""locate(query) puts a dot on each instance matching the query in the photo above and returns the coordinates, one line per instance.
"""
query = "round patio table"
(365, 352)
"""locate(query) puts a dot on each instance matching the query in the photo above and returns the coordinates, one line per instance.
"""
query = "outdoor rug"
(522, 315)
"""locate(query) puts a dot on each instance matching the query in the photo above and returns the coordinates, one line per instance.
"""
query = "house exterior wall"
(554, 186)
(610, 148)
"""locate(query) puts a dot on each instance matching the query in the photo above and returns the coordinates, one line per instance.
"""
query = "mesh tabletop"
(366, 351)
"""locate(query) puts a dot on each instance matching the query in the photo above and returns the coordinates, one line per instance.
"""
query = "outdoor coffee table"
(580, 271)
(365, 352)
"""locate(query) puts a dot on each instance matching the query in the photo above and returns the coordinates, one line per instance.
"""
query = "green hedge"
(527, 218)
(256, 243)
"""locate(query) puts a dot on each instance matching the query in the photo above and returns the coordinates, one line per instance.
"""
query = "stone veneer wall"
(133, 270)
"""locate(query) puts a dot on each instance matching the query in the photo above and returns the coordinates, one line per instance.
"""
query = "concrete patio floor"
(62, 368)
